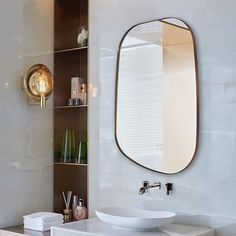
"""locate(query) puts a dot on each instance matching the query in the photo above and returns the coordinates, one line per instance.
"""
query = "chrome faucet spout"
(146, 186)
(142, 190)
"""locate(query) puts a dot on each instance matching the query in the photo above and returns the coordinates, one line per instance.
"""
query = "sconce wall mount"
(38, 83)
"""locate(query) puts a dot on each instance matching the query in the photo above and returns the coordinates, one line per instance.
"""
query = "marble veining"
(26, 142)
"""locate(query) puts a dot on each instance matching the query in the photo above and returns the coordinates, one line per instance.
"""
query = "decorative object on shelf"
(81, 211)
(67, 211)
(68, 146)
(71, 102)
(82, 95)
(76, 83)
(84, 88)
(38, 84)
(74, 102)
(78, 92)
(75, 203)
(82, 153)
(82, 38)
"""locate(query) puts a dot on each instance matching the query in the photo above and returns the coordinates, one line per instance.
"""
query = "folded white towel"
(43, 217)
(40, 222)
(35, 224)
(37, 228)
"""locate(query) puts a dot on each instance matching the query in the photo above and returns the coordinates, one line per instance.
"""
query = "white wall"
(26, 38)
(207, 186)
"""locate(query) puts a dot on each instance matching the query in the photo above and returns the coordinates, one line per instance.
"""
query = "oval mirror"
(156, 96)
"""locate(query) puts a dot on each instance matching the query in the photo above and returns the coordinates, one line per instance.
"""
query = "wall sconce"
(38, 84)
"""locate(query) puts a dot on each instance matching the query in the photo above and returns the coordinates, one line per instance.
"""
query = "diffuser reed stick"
(67, 198)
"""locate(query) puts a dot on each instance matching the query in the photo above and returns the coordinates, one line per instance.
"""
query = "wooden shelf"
(66, 66)
(71, 49)
(70, 164)
(69, 107)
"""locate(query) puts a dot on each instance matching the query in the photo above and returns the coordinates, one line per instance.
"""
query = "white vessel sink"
(134, 218)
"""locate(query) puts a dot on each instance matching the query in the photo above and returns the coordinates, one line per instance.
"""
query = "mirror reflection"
(156, 96)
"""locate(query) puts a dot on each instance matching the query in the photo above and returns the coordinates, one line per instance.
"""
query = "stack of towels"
(42, 221)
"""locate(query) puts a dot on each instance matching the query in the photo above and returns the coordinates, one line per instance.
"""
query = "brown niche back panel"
(69, 61)
(73, 118)
(69, 15)
(69, 178)
(67, 65)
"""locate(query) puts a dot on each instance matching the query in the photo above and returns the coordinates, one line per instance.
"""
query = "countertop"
(95, 227)
(20, 230)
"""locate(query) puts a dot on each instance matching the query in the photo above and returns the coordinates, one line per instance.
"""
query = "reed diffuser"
(67, 211)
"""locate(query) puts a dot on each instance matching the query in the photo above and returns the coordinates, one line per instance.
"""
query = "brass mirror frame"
(196, 84)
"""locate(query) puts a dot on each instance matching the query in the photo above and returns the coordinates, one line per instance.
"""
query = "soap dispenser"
(81, 211)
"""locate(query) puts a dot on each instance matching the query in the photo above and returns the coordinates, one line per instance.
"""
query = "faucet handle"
(145, 183)
(169, 188)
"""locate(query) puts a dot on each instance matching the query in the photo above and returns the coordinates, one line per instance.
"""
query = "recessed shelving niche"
(70, 60)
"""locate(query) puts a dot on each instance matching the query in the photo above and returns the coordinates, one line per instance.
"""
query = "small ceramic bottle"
(81, 211)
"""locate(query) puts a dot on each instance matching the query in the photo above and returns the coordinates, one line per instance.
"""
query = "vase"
(68, 146)
(82, 153)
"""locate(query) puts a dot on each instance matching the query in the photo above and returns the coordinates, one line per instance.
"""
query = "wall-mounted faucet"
(146, 186)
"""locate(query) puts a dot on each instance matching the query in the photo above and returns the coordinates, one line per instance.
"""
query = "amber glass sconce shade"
(38, 84)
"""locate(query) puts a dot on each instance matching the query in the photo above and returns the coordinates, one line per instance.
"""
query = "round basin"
(134, 218)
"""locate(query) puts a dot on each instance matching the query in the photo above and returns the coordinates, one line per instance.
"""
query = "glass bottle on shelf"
(68, 146)
(82, 153)
(81, 211)
(75, 203)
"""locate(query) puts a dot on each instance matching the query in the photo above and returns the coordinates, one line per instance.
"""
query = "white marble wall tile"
(26, 173)
(229, 92)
